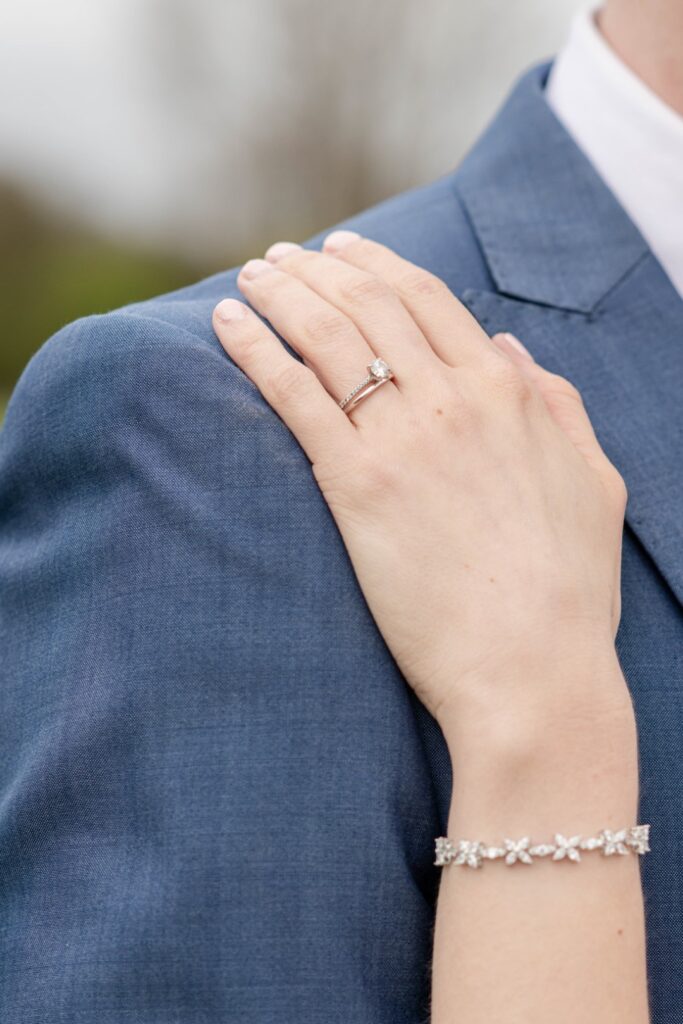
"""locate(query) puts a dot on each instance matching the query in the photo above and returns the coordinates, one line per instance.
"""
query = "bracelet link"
(473, 853)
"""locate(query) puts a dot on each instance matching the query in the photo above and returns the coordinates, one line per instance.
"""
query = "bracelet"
(473, 853)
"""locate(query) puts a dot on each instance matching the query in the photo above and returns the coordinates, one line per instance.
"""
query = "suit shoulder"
(102, 372)
(131, 339)
(429, 226)
(171, 335)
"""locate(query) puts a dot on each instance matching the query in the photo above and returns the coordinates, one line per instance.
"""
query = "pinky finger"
(291, 388)
(562, 399)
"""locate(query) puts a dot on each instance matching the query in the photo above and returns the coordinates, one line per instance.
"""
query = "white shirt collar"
(633, 139)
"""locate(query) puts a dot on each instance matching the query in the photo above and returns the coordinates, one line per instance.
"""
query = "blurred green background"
(53, 271)
(147, 143)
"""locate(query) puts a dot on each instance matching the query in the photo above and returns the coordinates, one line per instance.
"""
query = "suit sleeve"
(215, 802)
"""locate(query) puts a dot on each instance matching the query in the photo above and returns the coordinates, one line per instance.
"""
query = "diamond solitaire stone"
(379, 369)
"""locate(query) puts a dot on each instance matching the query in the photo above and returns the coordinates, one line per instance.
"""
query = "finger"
(370, 303)
(566, 407)
(292, 389)
(328, 340)
(563, 400)
(450, 329)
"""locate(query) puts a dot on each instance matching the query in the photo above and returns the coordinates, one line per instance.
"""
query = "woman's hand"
(484, 524)
(481, 516)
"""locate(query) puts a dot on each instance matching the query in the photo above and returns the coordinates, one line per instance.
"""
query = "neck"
(648, 37)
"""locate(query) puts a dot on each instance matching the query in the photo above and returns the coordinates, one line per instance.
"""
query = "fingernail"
(230, 309)
(280, 249)
(254, 268)
(338, 239)
(517, 345)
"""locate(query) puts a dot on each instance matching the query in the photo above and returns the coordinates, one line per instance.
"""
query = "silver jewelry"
(473, 853)
(378, 373)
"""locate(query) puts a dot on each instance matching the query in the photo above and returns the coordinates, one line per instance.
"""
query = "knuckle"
(248, 343)
(362, 249)
(271, 282)
(617, 487)
(337, 479)
(289, 382)
(296, 259)
(561, 386)
(466, 416)
(321, 326)
(508, 380)
(366, 289)
(422, 283)
(376, 478)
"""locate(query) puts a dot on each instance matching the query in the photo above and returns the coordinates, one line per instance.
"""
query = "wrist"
(559, 751)
(576, 786)
(540, 694)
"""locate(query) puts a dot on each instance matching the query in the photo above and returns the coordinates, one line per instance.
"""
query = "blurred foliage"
(52, 272)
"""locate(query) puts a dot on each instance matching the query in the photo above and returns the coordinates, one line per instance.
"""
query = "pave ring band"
(378, 373)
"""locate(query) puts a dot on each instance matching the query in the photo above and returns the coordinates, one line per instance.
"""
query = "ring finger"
(326, 339)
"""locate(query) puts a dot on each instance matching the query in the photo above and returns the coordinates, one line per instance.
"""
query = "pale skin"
(648, 36)
(484, 524)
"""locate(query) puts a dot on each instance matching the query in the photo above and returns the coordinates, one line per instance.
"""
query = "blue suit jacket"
(218, 797)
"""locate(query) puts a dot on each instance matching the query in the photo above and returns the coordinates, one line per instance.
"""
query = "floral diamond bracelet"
(473, 853)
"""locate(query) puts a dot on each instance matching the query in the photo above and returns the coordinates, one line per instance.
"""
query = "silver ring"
(378, 373)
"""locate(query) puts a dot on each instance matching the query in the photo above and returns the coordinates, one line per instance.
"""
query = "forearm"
(558, 941)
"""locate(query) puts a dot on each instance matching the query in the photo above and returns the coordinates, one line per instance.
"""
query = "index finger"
(450, 328)
(293, 389)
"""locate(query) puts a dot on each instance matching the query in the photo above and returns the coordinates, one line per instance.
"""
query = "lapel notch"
(578, 283)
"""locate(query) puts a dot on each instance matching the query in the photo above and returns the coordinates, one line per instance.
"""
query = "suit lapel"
(580, 286)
